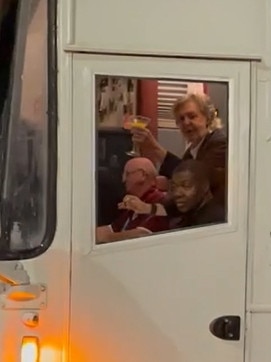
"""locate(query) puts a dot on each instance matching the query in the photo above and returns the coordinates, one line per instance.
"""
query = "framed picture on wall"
(116, 98)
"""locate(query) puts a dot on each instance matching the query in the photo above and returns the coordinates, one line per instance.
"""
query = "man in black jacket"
(196, 118)
(193, 203)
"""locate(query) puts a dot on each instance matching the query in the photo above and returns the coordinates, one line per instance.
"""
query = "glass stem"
(136, 149)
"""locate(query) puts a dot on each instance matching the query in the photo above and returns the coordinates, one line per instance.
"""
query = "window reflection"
(25, 189)
(178, 179)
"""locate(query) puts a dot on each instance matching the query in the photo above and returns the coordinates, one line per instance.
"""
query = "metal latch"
(226, 327)
(16, 290)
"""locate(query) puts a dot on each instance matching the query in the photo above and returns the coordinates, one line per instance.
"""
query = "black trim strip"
(70, 49)
(52, 145)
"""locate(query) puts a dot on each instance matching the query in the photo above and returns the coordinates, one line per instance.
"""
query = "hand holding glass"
(139, 122)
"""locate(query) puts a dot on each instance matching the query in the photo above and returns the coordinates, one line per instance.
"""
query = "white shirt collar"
(194, 150)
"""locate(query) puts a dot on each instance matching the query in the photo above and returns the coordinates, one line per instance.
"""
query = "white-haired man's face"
(138, 174)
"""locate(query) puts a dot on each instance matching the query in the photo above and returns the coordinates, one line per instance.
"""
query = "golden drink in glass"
(138, 122)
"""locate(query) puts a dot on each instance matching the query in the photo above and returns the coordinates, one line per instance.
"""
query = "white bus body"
(152, 300)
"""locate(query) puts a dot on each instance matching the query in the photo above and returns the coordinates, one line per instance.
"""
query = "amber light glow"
(30, 350)
(21, 296)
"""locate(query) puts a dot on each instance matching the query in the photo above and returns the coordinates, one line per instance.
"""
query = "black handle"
(226, 327)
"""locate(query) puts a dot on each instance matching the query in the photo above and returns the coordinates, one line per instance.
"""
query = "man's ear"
(144, 175)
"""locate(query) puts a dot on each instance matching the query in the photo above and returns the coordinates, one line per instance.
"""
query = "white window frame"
(85, 68)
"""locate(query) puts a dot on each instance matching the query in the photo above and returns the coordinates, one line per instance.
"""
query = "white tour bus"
(71, 72)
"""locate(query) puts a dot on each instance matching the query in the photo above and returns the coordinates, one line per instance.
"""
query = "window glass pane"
(162, 147)
(25, 192)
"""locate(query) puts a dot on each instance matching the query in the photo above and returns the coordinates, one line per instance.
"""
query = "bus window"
(29, 136)
(162, 147)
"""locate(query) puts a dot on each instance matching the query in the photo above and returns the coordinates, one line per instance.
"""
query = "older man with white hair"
(139, 177)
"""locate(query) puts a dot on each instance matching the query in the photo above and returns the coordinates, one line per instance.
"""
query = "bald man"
(139, 177)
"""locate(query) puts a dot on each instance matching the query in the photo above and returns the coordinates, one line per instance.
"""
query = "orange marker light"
(30, 350)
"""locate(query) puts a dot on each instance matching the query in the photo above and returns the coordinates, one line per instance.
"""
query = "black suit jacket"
(213, 152)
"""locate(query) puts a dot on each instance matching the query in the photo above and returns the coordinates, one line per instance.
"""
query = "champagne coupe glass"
(138, 122)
